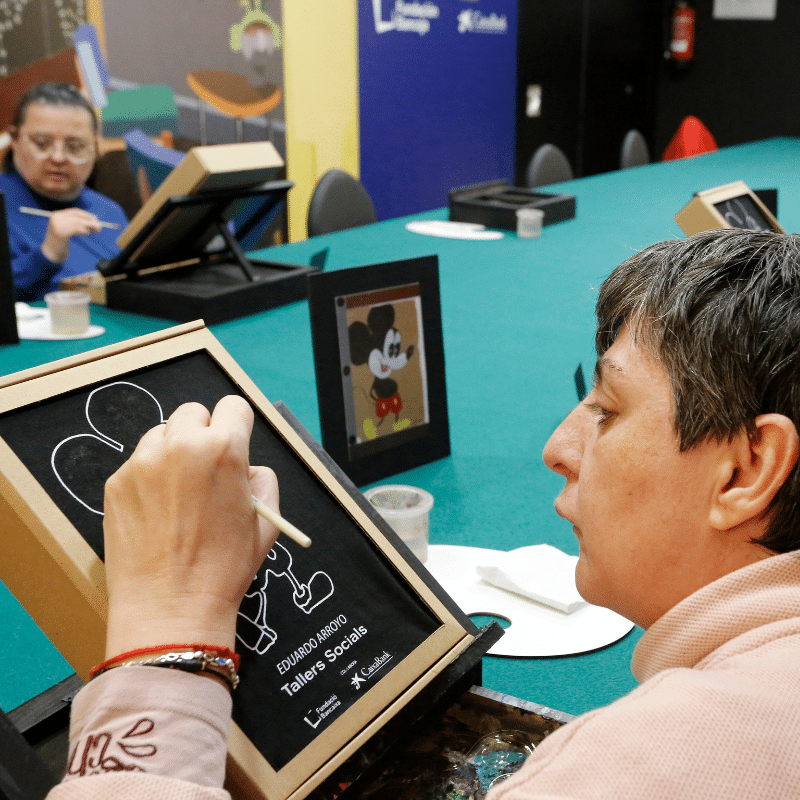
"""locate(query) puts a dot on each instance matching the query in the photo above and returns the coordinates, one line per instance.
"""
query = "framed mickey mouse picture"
(379, 360)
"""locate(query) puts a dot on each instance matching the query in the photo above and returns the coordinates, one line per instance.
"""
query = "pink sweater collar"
(727, 616)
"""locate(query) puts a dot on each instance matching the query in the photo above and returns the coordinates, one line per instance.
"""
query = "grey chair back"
(634, 151)
(548, 165)
(339, 201)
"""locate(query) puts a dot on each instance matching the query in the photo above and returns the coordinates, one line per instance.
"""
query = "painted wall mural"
(240, 41)
(32, 30)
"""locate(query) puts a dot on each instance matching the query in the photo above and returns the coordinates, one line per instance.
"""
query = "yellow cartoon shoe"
(370, 431)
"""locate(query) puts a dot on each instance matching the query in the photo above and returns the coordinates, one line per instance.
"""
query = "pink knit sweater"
(717, 715)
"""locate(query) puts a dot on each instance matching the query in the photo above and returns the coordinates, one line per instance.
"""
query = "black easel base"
(211, 292)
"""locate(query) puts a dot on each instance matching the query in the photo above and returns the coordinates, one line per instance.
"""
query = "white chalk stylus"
(295, 534)
(40, 212)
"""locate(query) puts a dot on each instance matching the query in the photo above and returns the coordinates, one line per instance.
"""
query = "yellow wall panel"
(321, 97)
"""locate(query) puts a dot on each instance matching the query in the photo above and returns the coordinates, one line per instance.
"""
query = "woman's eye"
(603, 415)
(76, 146)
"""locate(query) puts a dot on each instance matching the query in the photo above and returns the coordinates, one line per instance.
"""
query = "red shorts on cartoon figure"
(388, 405)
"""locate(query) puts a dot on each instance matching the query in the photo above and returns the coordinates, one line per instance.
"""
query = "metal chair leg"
(202, 114)
(268, 116)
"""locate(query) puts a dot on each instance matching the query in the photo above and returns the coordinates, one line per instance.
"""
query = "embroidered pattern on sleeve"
(103, 752)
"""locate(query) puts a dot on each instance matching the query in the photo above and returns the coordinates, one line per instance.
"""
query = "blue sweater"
(35, 275)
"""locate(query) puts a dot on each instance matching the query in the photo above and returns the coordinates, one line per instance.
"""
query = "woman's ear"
(753, 470)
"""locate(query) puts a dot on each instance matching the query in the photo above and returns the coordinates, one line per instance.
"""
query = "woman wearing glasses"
(53, 151)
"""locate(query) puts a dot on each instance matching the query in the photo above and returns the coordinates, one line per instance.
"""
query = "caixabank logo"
(471, 21)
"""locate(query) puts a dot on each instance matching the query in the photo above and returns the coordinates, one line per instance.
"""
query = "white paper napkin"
(540, 572)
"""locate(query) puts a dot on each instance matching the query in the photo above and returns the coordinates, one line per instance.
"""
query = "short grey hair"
(721, 310)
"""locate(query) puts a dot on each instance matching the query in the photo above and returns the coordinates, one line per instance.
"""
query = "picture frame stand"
(8, 318)
(379, 364)
(170, 276)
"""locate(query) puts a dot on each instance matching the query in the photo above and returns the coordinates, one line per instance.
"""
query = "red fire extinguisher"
(681, 46)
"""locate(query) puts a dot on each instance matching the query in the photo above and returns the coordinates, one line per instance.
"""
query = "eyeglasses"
(43, 146)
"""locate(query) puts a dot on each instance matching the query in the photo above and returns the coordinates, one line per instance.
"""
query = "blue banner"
(437, 87)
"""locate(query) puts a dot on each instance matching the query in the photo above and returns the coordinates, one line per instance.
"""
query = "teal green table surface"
(517, 318)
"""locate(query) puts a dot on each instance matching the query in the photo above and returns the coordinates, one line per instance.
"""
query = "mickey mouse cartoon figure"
(377, 344)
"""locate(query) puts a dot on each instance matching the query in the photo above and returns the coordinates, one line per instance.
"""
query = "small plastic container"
(495, 758)
(529, 222)
(407, 510)
(69, 312)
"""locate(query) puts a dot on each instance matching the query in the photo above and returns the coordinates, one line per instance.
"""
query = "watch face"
(742, 212)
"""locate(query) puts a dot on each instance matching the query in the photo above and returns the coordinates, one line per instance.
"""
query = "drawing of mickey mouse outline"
(253, 631)
(134, 410)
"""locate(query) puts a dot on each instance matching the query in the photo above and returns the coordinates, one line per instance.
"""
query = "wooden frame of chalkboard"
(733, 205)
(379, 363)
(335, 640)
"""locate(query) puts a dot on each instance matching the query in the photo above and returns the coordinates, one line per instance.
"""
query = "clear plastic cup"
(69, 312)
(406, 509)
(529, 222)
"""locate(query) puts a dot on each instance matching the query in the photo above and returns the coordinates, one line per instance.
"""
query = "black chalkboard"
(742, 212)
(319, 627)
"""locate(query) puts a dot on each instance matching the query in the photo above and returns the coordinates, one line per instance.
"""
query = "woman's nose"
(564, 449)
(58, 152)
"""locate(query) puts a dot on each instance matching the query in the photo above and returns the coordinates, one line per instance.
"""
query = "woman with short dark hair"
(53, 152)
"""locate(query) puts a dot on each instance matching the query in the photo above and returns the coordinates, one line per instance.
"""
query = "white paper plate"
(452, 230)
(536, 629)
(34, 323)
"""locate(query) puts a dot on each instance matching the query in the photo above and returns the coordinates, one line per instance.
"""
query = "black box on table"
(495, 204)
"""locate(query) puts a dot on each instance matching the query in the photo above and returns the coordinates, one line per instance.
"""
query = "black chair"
(548, 165)
(634, 151)
(8, 316)
(339, 201)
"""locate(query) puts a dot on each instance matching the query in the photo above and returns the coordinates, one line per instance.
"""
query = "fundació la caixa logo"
(410, 16)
